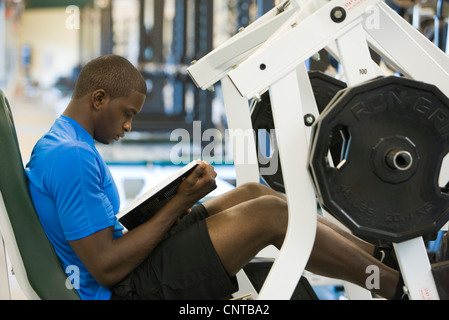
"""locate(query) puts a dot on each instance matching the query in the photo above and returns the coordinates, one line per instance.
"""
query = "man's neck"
(78, 110)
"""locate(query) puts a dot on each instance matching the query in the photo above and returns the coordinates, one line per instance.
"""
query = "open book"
(145, 206)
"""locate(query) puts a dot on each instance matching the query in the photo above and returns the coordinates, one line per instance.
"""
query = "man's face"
(115, 117)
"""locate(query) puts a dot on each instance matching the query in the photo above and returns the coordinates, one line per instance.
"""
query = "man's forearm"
(109, 261)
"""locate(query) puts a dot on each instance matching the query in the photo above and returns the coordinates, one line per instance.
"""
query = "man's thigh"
(184, 266)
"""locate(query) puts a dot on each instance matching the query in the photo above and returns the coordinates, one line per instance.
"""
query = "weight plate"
(393, 134)
(324, 88)
(263, 124)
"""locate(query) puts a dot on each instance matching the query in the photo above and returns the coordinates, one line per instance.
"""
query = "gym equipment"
(263, 123)
(36, 265)
(324, 89)
(173, 101)
(385, 185)
(270, 56)
(441, 26)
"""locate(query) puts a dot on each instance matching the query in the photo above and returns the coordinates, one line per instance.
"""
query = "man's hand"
(198, 184)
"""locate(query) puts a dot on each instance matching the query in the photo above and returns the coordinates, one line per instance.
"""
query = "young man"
(181, 253)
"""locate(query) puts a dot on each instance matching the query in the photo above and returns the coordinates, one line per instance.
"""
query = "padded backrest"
(43, 268)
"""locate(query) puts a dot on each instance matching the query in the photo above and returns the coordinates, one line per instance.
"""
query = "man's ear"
(99, 99)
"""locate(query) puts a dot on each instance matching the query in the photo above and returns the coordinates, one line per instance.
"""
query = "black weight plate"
(324, 88)
(386, 183)
(269, 167)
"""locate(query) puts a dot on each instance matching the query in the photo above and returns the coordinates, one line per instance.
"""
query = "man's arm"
(109, 260)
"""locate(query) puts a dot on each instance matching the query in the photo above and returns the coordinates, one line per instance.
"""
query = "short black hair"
(112, 73)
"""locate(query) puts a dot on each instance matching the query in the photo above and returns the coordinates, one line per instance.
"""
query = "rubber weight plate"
(268, 159)
(394, 134)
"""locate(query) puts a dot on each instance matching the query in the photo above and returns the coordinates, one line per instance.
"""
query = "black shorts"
(184, 266)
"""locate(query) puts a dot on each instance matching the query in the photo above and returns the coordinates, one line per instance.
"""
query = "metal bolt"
(406, 291)
(316, 57)
(309, 119)
(257, 98)
(400, 160)
(338, 14)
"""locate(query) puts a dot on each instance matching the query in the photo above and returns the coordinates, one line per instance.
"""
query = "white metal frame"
(270, 55)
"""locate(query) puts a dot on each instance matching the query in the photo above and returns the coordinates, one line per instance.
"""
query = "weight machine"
(173, 101)
(270, 55)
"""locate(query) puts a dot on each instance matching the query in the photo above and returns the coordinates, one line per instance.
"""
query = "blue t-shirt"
(75, 196)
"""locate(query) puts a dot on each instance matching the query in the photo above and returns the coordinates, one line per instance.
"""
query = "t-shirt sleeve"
(75, 181)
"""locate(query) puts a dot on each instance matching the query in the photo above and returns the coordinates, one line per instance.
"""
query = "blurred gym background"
(45, 43)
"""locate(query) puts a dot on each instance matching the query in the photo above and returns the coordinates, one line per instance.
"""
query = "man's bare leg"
(255, 190)
(335, 256)
(249, 218)
(240, 232)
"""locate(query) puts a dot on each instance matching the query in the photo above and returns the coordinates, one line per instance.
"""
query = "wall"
(54, 47)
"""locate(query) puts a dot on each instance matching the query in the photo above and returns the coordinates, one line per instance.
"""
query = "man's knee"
(254, 190)
(272, 202)
(272, 218)
(272, 211)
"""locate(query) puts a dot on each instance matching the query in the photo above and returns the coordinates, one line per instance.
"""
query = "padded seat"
(36, 265)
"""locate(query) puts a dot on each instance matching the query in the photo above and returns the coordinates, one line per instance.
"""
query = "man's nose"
(127, 126)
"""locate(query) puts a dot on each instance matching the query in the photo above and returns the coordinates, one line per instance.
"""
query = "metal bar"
(409, 46)
(241, 134)
(355, 57)
(302, 209)
(416, 269)
(293, 44)
(216, 65)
